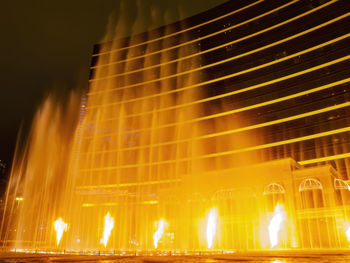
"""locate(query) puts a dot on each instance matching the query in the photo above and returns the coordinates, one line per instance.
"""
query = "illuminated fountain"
(148, 163)
(211, 227)
(108, 226)
(158, 234)
(276, 224)
(60, 227)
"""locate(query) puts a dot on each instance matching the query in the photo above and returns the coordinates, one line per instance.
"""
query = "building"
(228, 130)
(259, 88)
(279, 65)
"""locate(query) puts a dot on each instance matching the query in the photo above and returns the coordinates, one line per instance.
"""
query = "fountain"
(60, 227)
(275, 225)
(158, 234)
(211, 227)
(146, 163)
(108, 226)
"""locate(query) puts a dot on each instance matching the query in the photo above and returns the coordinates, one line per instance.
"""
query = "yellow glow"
(127, 185)
(225, 60)
(158, 234)
(181, 31)
(212, 209)
(211, 227)
(248, 149)
(88, 205)
(347, 233)
(275, 225)
(299, 139)
(19, 199)
(101, 204)
(246, 128)
(324, 159)
(200, 38)
(151, 202)
(265, 103)
(238, 40)
(299, 94)
(60, 227)
(108, 226)
(224, 94)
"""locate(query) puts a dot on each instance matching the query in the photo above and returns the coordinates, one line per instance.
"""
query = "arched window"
(274, 188)
(342, 192)
(274, 194)
(310, 184)
(340, 184)
(225, 200)
(235, 201)
(236, 207)
(311, 193)
(223, 194)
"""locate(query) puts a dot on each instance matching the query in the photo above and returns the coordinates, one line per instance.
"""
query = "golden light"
(158, 234)
(347, 233)
(211, 227)
(108, 226)
(149, 141)
(60, 227)
(275, 224)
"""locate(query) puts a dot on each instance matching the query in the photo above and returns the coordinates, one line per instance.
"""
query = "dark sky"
(46, 48)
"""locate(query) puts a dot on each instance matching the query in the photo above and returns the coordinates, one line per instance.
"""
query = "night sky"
(46, 48)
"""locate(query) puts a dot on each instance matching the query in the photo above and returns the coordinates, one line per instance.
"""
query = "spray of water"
(211, 227)
(158, 234)
(60, 227)
(108, 226)
(276, 224)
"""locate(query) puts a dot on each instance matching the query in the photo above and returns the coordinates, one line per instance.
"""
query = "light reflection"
(275, 225)
(108, 226)
(211, 227)
(60, 227)
(158, 234)
(347, 233)
(113, 139)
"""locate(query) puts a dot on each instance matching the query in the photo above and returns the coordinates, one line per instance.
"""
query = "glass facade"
(284, 63)
(173, 113)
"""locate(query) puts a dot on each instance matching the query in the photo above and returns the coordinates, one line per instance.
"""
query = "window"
(274, 189)
(340, 184)
(311, 193)
(310, 184)
(274, 194)
(342, 192)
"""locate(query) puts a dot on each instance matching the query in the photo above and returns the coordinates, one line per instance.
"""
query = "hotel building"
(242, 107)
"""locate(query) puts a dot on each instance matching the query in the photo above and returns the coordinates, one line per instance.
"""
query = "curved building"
(244, 107)
(280, 68)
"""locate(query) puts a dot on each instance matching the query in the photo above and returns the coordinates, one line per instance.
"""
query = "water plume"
(211, 227)
(40, 170)
(275, 225)
(347, 233)
(60, 227)
(108, 226)
(158, 234)
(139, 146)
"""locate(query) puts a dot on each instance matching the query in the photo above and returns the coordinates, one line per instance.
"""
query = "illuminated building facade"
(259, 88)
